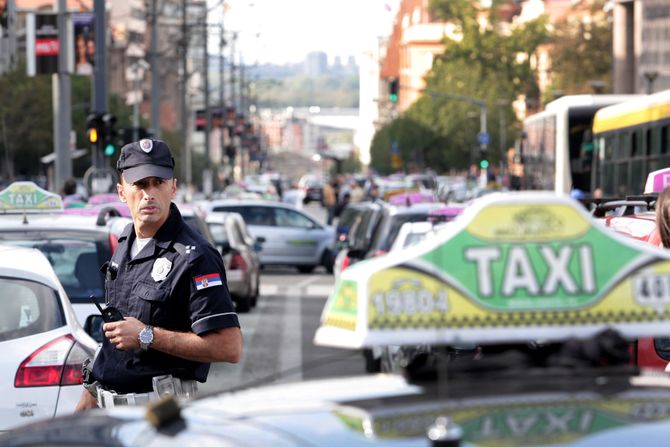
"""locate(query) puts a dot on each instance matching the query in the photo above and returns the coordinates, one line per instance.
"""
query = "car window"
(218, 231)
(258, 215)
(28, 308)
(396, 222)
(75, 257)
(289, 218)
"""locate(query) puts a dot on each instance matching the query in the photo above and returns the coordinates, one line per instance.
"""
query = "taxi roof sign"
(514, 267)
(657, 181)
(21, 197)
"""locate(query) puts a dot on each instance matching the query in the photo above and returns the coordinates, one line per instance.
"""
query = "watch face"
(146, 335)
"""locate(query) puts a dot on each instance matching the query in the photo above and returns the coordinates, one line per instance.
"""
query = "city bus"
(631, 139)
(557, 143)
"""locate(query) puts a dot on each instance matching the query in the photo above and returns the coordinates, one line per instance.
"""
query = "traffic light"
(109, 134)
(484, 164)
(94, 128)
(394, 87)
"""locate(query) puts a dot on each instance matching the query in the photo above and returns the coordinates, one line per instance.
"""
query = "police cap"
(145, 158)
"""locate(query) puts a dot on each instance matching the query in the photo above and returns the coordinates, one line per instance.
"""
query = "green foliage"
(488, 65)
(581, 53)
(26, 122)
(305, 91)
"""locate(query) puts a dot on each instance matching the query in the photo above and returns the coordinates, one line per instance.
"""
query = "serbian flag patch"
(204, 281)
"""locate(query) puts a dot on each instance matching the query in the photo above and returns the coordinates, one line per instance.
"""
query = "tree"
(581, 53)
(491, 64)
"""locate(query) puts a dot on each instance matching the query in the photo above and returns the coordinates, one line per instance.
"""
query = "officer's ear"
(174, 188)
(120, 191)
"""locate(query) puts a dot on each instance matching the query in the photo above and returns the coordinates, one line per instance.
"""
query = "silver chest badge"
(161, 269)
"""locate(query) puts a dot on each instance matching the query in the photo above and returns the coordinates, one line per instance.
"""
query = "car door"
(301, 237)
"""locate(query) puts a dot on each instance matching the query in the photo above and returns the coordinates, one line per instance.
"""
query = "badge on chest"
(161, 269)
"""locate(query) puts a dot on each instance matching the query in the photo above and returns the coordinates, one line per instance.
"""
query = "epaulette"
(190, 252)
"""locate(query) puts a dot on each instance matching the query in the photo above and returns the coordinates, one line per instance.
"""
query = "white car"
(42, 343)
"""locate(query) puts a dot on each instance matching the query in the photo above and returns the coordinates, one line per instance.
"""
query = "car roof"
(27, 263)
(58, 221)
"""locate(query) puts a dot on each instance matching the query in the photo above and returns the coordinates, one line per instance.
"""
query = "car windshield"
(76, 257)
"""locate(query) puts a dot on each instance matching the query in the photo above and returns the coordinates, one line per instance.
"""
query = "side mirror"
(258, 244)
(93, 327)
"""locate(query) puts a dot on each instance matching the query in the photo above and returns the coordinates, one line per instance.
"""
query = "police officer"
(170, 287)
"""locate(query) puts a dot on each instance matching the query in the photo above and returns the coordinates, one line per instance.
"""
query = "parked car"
(42, 343)
(377, 231)
(289, 236)
(75, 245)
(240, 257)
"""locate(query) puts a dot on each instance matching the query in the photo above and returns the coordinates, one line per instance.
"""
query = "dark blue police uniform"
(177, 282)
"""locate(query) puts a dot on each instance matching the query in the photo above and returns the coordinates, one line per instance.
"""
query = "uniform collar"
(166, 233)
(163, 237)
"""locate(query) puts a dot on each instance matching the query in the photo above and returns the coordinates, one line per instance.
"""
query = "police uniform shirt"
(176, 282)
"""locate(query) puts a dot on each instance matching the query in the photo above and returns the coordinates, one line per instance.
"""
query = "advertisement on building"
(46, 47)
(84, 43)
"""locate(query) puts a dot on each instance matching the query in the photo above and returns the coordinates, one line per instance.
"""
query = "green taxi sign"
(513, 267)
(28, 197)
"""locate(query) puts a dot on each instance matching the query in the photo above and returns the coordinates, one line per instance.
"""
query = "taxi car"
(548, 297)
(42, 344)
(75, 242)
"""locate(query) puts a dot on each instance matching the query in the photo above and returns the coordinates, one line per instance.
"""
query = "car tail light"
(56, 363)
(662, 346)
(346, 262)
(113, 242)
(237, 262)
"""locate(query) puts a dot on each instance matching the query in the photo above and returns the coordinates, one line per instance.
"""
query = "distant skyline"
(281, 32)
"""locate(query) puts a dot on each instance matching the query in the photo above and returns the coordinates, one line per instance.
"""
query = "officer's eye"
(149, 181)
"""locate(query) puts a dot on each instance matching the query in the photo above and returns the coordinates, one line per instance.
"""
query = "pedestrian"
(330, 199)
(71, 198)
(169, 285)
(663, 217)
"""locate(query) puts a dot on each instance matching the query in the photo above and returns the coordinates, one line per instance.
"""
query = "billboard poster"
(46, 44)
(3, 17)
(84, 43)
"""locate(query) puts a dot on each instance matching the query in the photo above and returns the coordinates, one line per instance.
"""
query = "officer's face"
(149, 202)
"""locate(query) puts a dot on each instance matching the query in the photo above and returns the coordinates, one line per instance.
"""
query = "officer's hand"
(124, 334)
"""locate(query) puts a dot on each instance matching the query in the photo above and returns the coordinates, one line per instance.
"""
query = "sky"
(284, 31)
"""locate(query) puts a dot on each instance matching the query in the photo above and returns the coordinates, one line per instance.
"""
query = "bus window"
(647, 142)
(621, 174)
(635, 146)
(655, 145)
(664, 140)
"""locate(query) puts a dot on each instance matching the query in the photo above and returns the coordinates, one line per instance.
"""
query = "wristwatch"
(146, 337)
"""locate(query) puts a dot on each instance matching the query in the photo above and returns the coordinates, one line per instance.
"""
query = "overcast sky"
(284, 31)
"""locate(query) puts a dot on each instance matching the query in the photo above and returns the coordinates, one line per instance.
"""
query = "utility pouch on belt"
(165, 386)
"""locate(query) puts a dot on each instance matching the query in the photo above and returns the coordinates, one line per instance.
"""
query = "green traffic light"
(484, 164)
(393, 97)
(109, 150)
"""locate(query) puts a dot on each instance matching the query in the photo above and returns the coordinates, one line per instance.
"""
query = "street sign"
(484, 138)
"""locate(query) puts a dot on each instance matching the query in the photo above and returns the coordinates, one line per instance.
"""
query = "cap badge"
(146, 145)
(161, 269)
